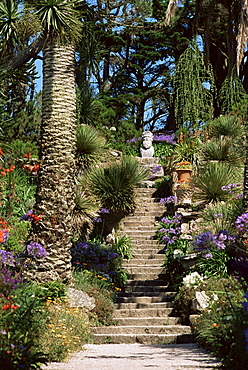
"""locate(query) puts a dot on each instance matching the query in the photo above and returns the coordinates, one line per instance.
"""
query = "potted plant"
(183, 170)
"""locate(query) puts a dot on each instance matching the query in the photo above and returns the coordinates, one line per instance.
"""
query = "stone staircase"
(143, 310)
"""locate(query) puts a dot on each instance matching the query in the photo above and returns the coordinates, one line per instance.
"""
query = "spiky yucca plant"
(221, 216)
(114, 185)
(228, 126)
(210, 179)
(86, 207)
(89, 142)
(223, 150)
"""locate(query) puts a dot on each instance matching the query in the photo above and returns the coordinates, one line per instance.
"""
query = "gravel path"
(138, 356)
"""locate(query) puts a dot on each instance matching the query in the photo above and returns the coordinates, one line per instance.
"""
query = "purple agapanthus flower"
(202, 240)
(170, 199)
(104, 210)
(169, 138)
(229, 188)
(36, 250)
(6, 258)
(156, 169)
(27, 216)
(208, 255)
(97, 220)
(218, 215)
(241, 223)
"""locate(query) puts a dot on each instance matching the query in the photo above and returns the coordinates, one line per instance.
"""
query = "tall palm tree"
(56, 190)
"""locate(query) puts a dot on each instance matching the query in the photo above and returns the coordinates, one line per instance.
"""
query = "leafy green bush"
(66, 331)
(51, 289)
(227, 126)
(18, 235)
(103, 290)
(22, 318)
(221, 330)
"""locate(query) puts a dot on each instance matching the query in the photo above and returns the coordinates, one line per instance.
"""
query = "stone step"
(145, 199)
(140, 237)
(143, 338)
(137, 310)
(146, 256)
(142, 232)
(147, 288)
(145, 212)
(143, 305)
(143, 276)
(139, 226)
(133, 217)
(145, 190)
(146, 220)
(161, 329)
(147, 282)
(147, 321)
(143, 299)
(168, 296)
(143, 246)
(147, 248)
(143, 262)
(145, 269)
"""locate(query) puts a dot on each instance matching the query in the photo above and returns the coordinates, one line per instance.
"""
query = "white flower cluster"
(192, 279)
(177, 253)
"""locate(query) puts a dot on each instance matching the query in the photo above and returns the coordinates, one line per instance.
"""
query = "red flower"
(9, 306)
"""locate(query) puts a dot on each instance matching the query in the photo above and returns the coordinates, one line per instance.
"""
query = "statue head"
(147, 149)
(147, 138)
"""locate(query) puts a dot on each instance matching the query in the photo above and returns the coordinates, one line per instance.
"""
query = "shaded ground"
(138, 356)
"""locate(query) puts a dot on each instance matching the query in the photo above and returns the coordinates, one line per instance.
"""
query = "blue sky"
(38, 64)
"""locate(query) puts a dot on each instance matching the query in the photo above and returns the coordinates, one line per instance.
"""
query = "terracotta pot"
(183, 174)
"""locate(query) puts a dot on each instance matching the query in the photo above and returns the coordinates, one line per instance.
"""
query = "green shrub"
(89, 141)
(221, 331)
(22, 318)
(51, 289)
(66, 331)
(18, 235)
(104, 292)
(227, 126)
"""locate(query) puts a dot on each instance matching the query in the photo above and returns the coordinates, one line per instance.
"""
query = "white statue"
(147, 150)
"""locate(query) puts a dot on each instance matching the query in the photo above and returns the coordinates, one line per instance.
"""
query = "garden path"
(138, 356)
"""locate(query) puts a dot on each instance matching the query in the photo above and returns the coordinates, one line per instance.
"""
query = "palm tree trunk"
(56, 190)
(245, 193)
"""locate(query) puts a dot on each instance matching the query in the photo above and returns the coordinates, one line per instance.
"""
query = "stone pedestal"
(152, 164)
